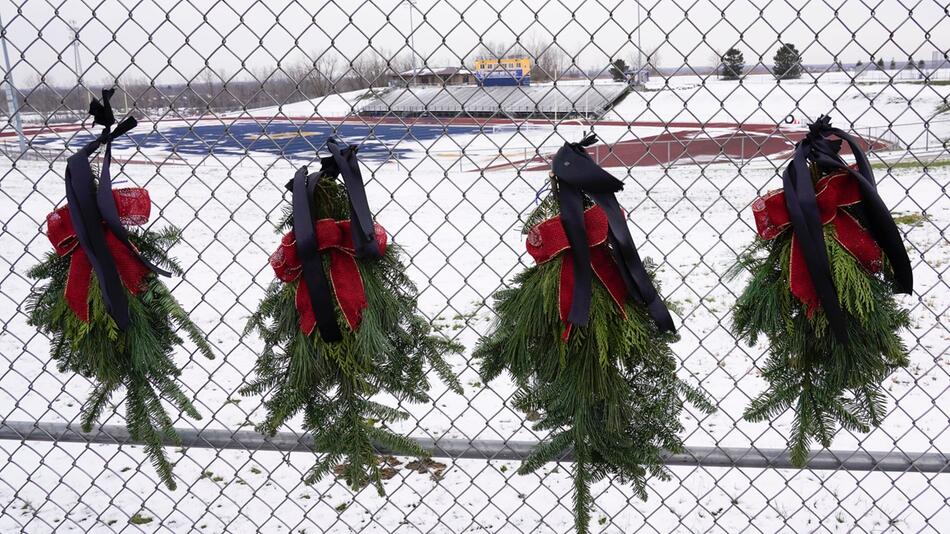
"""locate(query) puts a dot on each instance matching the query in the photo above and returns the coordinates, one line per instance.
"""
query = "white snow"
(869, 104)
(334, 105)
(462, 232)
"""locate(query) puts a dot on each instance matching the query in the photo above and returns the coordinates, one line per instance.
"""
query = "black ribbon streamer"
(806, 221)
(90, 206)
(308, 248)
(363, 228)
(342, 161)
(578, 175)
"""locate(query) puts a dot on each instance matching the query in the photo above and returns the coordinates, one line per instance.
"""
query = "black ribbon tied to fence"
(90, 206)
(803, 211)
(577, 175)
(341, 161)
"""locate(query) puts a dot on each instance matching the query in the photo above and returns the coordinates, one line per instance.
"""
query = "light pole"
(639, 45)
(412, 33)
(77, 64)
(12, 107)
(77, 59)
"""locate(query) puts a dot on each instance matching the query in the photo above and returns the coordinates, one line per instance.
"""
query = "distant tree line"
(215, 90)
(788, 63)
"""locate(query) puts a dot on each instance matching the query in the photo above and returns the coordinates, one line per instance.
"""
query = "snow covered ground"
(461, 230)
(335, 105)
(867, 102)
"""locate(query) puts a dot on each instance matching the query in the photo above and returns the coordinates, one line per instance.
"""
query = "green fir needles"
(335, 385)
(826, 382)
(138, 359)
(610, 394)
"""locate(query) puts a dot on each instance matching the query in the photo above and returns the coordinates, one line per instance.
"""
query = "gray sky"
(170, 46)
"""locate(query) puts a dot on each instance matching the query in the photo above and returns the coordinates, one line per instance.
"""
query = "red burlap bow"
(833, 193)
(548, 241)
(134, 208)
(335, 238)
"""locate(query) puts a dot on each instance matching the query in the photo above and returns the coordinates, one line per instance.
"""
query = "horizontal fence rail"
(457, 449)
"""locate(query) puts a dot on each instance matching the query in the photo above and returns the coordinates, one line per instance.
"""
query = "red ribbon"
(134, 207)
(833, 192)
(336, 238)
(548, 241)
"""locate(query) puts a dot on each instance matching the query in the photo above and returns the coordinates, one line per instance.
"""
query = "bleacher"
(547, 101)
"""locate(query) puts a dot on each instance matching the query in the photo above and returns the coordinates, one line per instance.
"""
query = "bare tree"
(499, 49)
(653, 59)
(317, 77)
(547, 57)
(715, 60)
(368, 70)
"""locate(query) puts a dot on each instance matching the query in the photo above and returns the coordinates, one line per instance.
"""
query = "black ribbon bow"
(90, 206)
(806, 221)
(342, 161)
(577, 175)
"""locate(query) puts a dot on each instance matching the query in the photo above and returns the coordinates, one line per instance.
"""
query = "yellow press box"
(504, 71)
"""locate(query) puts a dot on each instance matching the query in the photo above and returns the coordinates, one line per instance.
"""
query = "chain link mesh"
(231, 96)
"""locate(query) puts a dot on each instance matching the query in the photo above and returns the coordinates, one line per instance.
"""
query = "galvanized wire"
(232, 96)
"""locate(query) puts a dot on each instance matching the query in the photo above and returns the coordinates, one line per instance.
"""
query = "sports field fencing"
(231, 96)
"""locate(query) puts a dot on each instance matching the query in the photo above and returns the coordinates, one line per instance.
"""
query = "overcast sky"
(172, 40)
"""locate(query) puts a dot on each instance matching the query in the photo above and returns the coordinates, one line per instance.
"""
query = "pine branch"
(139, 358)
(548, 451)
(395, 443)
(610, 393)
(333, 384)
(828, 383)
(582, 497)
(322, 468)
(170, 306)
(95, 404)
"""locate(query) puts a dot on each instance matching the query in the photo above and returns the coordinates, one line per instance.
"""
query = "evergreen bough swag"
(826, 382)
(139, 358)
(826, 261)
(334, 384)
(610, 394)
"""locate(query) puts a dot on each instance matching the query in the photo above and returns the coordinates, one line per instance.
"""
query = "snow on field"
(334, 105)
(868, 102)
(462, 232)
(225, 216)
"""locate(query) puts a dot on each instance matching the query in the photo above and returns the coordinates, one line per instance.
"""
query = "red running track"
(694, 143)
(692, 146)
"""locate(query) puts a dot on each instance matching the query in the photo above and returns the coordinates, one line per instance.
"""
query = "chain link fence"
(231, 96)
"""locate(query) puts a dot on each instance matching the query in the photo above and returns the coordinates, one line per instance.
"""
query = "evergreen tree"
(880, 64)
(788, 62)
(609, 395)
(334, 384)
(893, 64)
(733, 64)
(618, 69)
